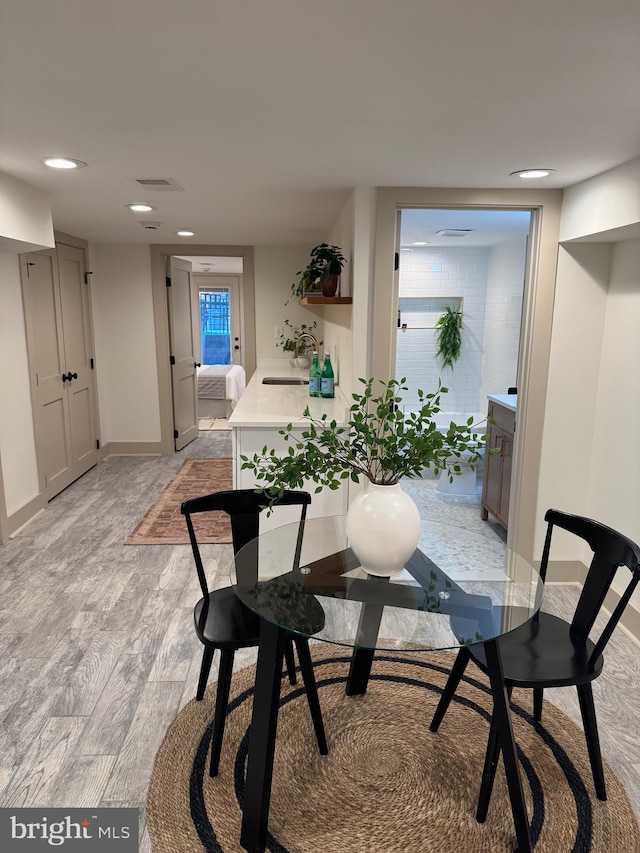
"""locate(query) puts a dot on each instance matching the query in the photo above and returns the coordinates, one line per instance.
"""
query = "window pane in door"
(215, 326)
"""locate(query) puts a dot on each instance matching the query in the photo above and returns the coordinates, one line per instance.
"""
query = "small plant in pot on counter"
(291, 335)
(321, 273)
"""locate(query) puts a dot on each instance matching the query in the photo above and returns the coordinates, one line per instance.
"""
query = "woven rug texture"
(164, 524)
(388, 783)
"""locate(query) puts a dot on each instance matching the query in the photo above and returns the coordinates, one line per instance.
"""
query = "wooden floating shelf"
(326, 300)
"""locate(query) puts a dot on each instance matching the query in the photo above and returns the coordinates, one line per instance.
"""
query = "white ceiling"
(485, 227)
(269, 113)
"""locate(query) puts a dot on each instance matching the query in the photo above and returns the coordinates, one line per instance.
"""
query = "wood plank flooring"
(98, 652)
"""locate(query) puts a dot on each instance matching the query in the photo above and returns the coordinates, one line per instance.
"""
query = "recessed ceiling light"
(140, 208)
(419, 243)
(63, 163)
(186, 233)
(532, 173)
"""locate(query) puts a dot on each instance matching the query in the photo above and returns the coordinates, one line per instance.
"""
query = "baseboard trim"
(133, 448)
(21, 517)
(574, 571)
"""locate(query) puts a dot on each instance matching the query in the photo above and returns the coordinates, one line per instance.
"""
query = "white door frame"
(537, 311)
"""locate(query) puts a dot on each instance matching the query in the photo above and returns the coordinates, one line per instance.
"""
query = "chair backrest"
(610, 551)
(243, 506)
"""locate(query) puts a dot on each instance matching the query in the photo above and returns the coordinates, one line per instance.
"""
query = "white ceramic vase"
(383, 526)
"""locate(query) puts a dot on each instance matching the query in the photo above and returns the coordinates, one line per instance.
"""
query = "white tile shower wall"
(443, 273)
(505, 286)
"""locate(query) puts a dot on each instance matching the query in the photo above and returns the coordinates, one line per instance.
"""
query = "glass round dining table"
(459, 588)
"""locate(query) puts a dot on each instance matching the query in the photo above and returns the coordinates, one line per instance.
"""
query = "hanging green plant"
(449, 338)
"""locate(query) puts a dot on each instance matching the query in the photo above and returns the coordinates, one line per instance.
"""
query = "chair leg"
(306, 668)
(588, 711)
(205, 669)
(538, 693)
(222, 698)
(290, 661)
(457, 671)
(491, 759)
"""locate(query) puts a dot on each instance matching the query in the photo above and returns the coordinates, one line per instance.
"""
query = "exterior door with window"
(220, 325)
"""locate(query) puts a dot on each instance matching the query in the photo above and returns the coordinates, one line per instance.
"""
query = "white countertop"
(277, 405)
(509, 401)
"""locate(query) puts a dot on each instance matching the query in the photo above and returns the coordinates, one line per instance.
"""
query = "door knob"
(197, 364)
(64, 378)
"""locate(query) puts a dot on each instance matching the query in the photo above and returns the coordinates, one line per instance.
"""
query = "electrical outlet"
(278, 332)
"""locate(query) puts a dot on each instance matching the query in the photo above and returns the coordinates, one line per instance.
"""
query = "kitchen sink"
(284, 380)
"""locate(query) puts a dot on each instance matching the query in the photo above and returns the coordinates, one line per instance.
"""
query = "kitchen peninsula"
(264, 409)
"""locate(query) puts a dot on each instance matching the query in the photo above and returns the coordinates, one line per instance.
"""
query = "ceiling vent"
(150, 226)
(454, 232)
(159, 185)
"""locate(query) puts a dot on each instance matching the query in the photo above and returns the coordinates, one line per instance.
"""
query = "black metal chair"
(550, 652)
(223, 622)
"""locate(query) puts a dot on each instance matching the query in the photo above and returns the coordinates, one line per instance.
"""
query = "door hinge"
(172, 359)
(93, 367)
(396, 261)
(97, 444)
(86, 277)
(167, 281)
(176, 434)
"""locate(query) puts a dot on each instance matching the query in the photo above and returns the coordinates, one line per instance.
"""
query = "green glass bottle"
(314, 376)
(326, 379)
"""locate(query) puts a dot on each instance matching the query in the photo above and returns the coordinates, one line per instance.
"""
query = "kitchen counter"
(278, 405)
(509, 401)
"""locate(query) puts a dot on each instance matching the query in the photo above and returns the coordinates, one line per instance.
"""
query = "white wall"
(275, 271)
(614, 496)
(603, 203)
(572, 391)
(505, 286)
(17, 442)
(25, 217)
(443, 273)
(125, 343)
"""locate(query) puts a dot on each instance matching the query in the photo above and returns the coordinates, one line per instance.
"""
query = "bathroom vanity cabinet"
(496, 487)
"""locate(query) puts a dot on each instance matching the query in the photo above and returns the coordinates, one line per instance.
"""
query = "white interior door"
(60, 344)
(184, 343)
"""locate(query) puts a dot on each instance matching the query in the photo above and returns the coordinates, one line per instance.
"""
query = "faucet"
(299, 339)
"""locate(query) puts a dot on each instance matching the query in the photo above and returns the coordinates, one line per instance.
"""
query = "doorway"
(202, 258)
(473, 263)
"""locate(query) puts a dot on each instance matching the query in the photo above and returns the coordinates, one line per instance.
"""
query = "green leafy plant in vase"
(379, 445)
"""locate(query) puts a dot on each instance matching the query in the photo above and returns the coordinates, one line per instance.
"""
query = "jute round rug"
(388, 785)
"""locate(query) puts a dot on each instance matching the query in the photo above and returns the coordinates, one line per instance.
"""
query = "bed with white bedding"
(220, 386)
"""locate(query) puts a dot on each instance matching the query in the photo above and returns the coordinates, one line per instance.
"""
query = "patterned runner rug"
(163, 523)
(388, 784)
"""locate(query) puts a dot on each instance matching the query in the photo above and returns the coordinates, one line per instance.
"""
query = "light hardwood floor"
(98, 652)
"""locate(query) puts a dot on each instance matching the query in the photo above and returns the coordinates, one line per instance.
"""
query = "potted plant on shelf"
(321, 273)
(380, 443)
(291, 337)
(449, 337)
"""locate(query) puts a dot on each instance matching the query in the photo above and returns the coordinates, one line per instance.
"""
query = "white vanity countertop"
(509, 401)
(277, 405)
